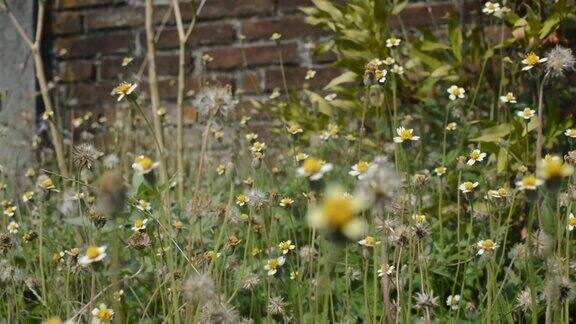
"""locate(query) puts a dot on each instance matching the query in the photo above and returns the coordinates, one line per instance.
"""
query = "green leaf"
(493, 134)
(442, 71)
(455, 37)
(426, 59)
(432, 46)
(549, 25)
(502, 160)
(345, 77)
(399, 7)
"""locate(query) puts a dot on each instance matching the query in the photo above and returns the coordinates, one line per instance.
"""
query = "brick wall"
(88, 39)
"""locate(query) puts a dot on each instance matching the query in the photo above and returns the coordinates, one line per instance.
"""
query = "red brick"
(166, 65)
(169, 88)
(236, 8)
(65, 23)
(295, 77)
(250, 82)
(68, 4)
(93, 94)
(94, 44)
(326, 57)
(293, 5)
(289, 27)
(231, 57)
(202, 35)
(77, 71)
(115, 18)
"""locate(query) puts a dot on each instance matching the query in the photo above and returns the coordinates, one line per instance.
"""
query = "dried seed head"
(84, 156)
(139, 240)
(560, 61)
(199, 288)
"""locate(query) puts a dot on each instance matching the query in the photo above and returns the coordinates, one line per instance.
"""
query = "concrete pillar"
(17, 89)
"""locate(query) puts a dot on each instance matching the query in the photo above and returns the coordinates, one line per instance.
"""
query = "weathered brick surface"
(289, 27)
(229, 58)
(89, 39)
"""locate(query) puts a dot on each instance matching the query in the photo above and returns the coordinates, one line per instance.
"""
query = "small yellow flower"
(330, 132)
(144, 165)
(476, 156)
(369, 241)
(251, 137)
(508, 98)
(419, 218)
(258, 147)
(123, 89)
(127, 60)
(274, 265)
(221, 169)
(531, 60)
(310, 74)
(102, 314)
(553, 167)
(455, 92)
(13, 227)
(405, 134)
(529, 182)
(93, 254)
(242, 200)
(118, 295)
(293, 275)
(486, 246)
(468, 186)
(139, 224)
(393, 42)
(286, 246)
(570, 132)
(500, 193)
(397, 69)
(207, 58)
(571, 222)
(294, 129)
(385, 269)
(451, 126)
(9, 210)
(337, 213)
(491, 8)
(143, 206)
(440, 171)
(27, 196)
(275, 36)
(526, 114)
(286, 202)
(314, 169)
(46, 184)
(359, 169)
(300, 156)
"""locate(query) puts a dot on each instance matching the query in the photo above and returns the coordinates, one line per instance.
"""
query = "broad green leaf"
(399, 7)
(493, 134)
(442, 71)
(426, 59)
(549, 25)
(502, 160)
(455, 36)
(432, 46)
(345, 77)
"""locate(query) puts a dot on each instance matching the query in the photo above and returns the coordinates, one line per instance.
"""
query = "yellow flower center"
(104, 314)
(362, 166)
(571, 132)
(529, 181)
(502, 192)
(369, 241)
(487, 245)
(468, 186)
(273, 264)
(123, 87)
(532, 59)
(47, 184)
(405, 134)
(475, 155)
(144, 162)
(92, 252)
(138, 223)
(312, 166)
(572, 221)
(337, 211)
(285, 245)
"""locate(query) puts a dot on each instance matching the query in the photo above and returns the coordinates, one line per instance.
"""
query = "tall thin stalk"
(153, 84)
